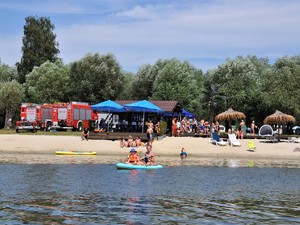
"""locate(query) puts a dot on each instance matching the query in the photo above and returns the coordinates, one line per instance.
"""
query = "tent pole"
(143, 121)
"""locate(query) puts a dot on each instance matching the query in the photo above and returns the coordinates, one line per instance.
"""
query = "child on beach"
(183, 153)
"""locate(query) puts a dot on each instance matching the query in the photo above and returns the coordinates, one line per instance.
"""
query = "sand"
(39, 149)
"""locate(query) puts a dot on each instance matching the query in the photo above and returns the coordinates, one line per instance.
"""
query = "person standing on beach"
(174, 127)
(150, 134)
(253, 126)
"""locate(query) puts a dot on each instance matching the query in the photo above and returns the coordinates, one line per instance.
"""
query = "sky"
(138, 32)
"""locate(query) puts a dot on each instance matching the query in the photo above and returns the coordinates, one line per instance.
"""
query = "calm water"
(100, 194)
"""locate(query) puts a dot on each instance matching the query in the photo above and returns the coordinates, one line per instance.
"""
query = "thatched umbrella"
(279, 117)
(230, 114)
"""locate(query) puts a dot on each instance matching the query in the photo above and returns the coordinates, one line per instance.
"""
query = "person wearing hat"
(133, 157)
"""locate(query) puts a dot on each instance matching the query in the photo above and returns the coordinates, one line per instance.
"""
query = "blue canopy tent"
(108, 106)
(143, 106)
(182, 113)
(187, 114)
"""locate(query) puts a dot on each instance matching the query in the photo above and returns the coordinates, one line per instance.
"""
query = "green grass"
(58, 133)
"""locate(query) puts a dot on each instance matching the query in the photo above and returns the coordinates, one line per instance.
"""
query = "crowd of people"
(186, 126)
(202, 127)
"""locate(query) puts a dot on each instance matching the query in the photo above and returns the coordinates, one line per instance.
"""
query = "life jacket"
(133, 158)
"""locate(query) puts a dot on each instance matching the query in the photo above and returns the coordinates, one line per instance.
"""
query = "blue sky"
(138, 32)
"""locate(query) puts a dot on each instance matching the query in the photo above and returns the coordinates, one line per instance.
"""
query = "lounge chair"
(297, 140)
(251, 146)
(233, 141)
(216, 140)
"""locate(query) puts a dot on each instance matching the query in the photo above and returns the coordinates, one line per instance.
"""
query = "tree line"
(248, 84)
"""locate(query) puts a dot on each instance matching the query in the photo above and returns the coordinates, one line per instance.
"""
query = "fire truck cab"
(29, 117)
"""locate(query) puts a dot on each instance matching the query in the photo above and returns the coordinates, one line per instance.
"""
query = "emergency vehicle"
(57, 116)
(29, 117)
(63, 116)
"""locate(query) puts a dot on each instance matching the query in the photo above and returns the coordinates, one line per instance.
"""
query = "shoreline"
(36, 149)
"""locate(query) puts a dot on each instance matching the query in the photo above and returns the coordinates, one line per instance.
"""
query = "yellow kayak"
(75, 153)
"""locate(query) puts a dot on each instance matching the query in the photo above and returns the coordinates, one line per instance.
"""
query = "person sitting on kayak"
(133, 157)
(149, 155)
(85, 134)
(183, 153)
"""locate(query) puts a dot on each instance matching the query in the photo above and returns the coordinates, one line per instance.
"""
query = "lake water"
(100, 194)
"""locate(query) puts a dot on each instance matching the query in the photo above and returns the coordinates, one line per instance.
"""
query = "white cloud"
(191, 30)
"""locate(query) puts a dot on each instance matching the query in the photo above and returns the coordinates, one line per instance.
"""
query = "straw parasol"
(230, 114)
(279, 117)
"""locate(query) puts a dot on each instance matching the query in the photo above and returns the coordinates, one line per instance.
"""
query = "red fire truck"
(63, 116)
(29, 117)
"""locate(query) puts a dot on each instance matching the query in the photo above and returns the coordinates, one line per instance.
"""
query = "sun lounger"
(251, 146)
(233, 141)
(297, 140)
(216, 140)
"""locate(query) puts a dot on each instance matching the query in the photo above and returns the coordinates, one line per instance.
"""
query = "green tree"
(240, 81)
(39, 45)
(127, 87)
(281, 86)
(48, 83)
(142, 86)
(96, 78)
(179, 81)
(11, 94)
(7, 73)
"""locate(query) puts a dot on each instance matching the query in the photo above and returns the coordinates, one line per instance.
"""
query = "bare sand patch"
(40, 149)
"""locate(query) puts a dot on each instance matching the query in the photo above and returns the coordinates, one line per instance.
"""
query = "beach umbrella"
(279, 117)
(143, 106)
(108, 106)
(230, 114)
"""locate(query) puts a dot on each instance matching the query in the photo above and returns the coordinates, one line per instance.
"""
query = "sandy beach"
(40, 149)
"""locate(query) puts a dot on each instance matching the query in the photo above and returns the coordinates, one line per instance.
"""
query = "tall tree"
(142, 85)
(180, 81)
(240, 81)
(39, 45)
(48, 83)
(96, 78)
(281, 86)
(128, 86)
